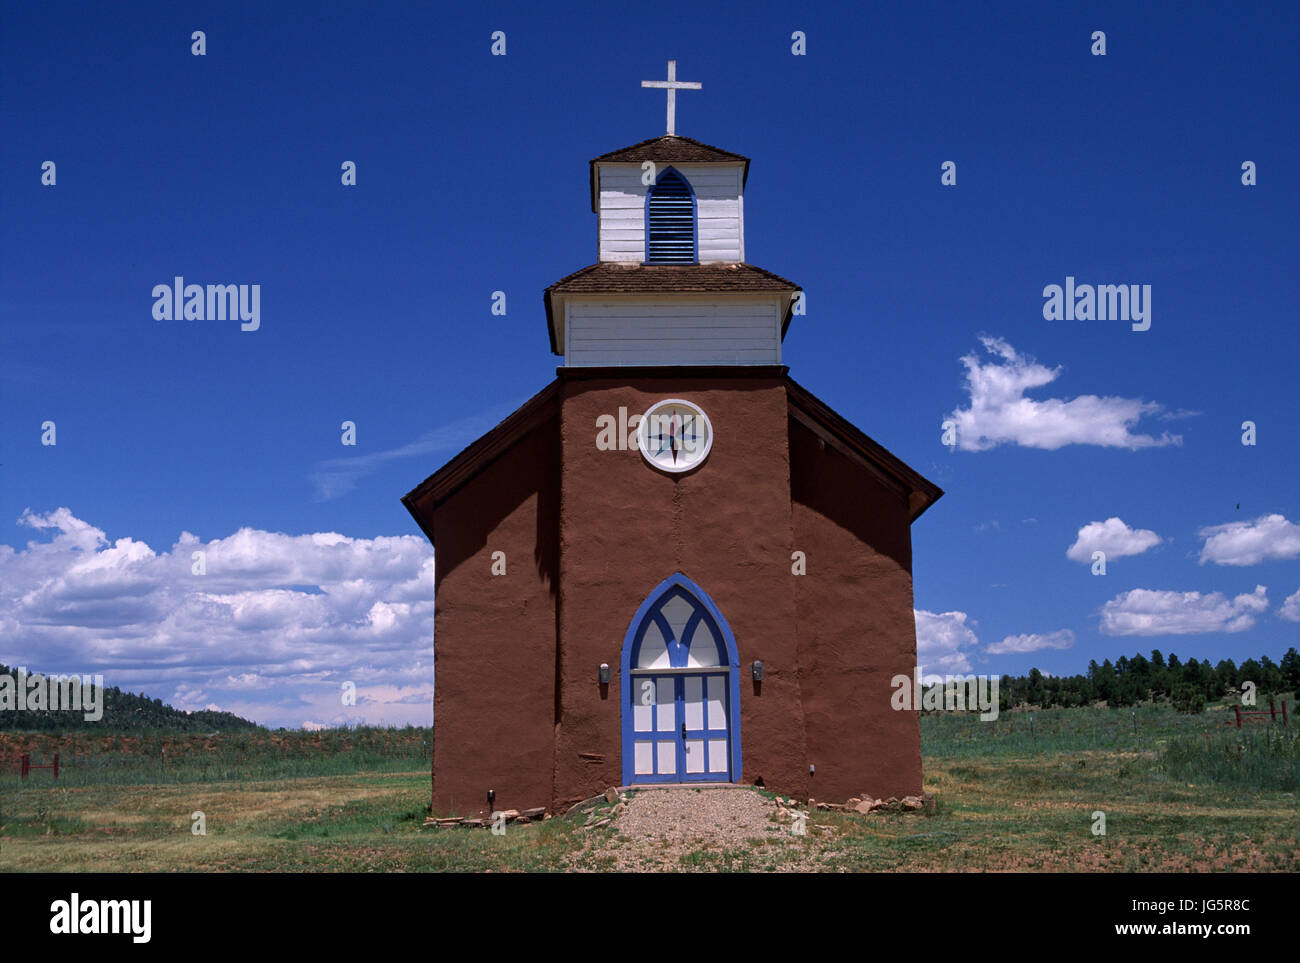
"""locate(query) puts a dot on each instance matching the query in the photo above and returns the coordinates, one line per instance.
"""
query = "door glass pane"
(694, 699)
(642, 716)
(667, 706)
(718, 755)
(643, 756)
(717, 713)
(668, 757)
(694, 755)
(678, 612)
(704, 647)
(654, 651)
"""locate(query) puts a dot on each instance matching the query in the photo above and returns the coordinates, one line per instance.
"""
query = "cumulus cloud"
(270, 632)
(1113, 537)
(1290, 609)
(943, 641)
(190, 699)
(1033, 642)
(1000, 414)
(1148, 612)
(1268, 538)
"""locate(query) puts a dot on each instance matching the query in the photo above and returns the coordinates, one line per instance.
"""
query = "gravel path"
(700, 830)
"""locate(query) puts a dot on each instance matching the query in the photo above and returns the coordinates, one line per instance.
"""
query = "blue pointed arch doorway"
(680, 689)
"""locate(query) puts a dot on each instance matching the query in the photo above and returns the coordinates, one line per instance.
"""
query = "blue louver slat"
(670, 226)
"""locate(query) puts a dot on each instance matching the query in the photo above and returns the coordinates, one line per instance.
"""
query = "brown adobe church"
(673, 564)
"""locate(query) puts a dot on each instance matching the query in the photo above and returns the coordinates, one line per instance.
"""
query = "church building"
(674, 564)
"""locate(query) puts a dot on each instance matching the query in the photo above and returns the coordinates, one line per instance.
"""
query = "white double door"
(681, 727)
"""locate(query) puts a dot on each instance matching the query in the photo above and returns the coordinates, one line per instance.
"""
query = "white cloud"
(1148, 612)
(189, 698)
(943, 641)
(1266, 539)
(73, 532)
(999, 412)
(1033, 642)
(1290, 609)
(270, 632)
(1113, 537)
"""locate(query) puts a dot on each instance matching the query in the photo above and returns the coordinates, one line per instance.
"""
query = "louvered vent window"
(670, 214)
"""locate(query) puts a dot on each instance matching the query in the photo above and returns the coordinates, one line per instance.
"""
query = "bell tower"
(671, 285)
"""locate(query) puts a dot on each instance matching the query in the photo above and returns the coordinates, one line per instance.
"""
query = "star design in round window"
(675, 435)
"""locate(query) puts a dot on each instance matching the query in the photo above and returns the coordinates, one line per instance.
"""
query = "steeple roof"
(667, 149)
(609, 277)
(673, 148)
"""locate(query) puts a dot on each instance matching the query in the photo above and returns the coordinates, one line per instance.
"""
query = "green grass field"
(1179, 793)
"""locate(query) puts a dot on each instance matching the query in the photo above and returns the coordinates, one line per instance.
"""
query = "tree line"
(1141, 679)
(122, 711)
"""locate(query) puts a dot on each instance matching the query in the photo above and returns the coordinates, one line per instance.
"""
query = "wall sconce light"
(603, 673)
(492, 796)
(756, 671)
(812, 769)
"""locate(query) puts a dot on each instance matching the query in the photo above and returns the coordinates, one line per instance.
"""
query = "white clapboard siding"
(719, 211)
(682, 330)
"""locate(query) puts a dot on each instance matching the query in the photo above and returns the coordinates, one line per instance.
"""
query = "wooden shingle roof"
(673, 149)
(631, 277)
(666, 149)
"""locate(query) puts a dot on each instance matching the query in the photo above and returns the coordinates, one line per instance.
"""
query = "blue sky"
(176, 436)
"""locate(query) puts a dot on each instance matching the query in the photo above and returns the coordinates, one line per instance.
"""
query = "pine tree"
(1291, 669)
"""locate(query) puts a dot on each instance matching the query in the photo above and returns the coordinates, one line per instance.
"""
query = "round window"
(675, 435)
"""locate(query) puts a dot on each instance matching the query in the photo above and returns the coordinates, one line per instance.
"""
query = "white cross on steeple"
(673, 85)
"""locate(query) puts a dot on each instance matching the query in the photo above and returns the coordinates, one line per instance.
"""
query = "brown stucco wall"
(494, 636)
(624, 527)
(856, 623)
(589, 533)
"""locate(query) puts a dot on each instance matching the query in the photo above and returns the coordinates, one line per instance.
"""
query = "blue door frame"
(678, 649)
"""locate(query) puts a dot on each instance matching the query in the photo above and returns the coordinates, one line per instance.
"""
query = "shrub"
(1188, 698)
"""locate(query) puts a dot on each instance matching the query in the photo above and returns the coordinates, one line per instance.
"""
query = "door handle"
(683, 730)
